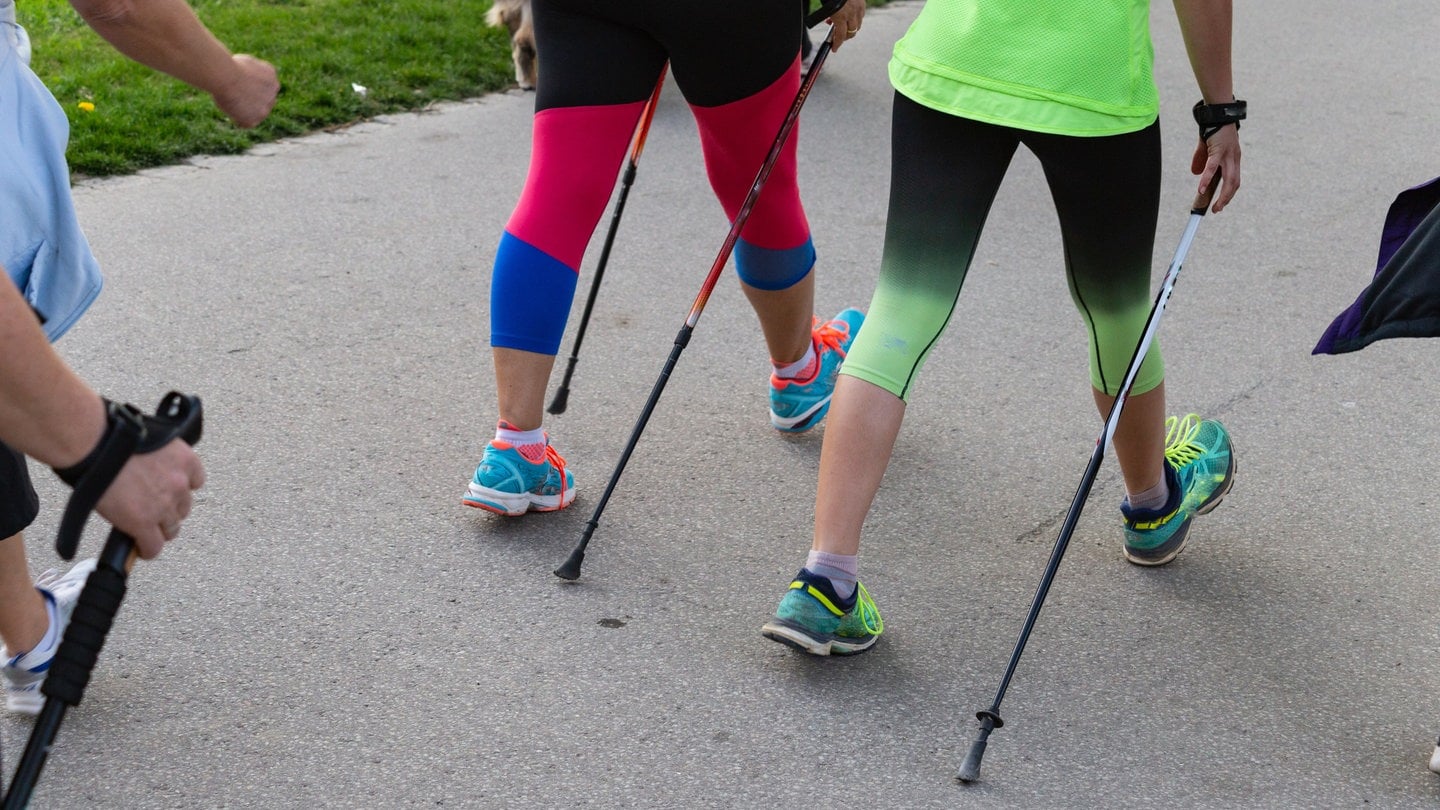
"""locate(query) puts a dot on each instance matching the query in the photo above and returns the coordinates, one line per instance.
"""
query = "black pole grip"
(85, 635)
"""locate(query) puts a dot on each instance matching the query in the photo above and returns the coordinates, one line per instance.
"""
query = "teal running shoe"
(507, 483)
(798, 405)
(813, 619)
(1200, 469)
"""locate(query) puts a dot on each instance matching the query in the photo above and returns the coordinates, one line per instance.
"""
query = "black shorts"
(18, 502)
(601, 52)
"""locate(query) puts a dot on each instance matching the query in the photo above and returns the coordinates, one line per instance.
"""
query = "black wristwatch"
(1211, 117)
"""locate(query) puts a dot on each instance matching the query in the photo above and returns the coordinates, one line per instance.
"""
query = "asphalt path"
(335, 630)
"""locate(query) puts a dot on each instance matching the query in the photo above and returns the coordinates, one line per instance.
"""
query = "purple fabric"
(1403, 298)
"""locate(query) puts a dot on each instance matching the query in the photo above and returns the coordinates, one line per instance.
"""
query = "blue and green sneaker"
(798, 405)
(1199, 469)
(813, 619)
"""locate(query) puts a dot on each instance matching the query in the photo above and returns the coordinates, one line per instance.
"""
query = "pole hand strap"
(1212, 117)
(128, 432)
(124, 430)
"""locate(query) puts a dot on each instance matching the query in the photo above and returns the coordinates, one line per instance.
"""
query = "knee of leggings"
(1109, 378)
(771, 269)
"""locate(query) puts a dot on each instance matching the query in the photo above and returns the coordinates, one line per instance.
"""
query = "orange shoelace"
(558, 462)
(830, 336)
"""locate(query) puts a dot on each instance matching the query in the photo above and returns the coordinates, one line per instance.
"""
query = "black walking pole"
(130, 432)
(570, 569)
(990, 718)
(637, 145)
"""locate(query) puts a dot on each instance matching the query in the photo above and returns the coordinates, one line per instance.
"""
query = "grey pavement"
(335, 630)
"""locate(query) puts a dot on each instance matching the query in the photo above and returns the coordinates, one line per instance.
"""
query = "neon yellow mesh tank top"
(1072, 67)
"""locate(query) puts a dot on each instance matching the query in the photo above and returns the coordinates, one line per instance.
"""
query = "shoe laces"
(1180, 445)
(557, 461)
(831, 335)
(868, 612)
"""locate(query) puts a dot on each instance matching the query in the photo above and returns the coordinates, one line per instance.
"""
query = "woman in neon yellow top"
(1071, 80)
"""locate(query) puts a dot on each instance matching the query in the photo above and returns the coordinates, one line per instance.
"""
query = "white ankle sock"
(530, 443)
(798, 370)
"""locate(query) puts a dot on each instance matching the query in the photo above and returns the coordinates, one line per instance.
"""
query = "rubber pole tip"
(970, 768)
(557, 405)
(570, 570)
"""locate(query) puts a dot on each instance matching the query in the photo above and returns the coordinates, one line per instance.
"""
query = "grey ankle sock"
(840, 569)
(1152, 498)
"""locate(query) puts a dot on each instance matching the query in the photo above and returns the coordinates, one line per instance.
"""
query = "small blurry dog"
(515, 15)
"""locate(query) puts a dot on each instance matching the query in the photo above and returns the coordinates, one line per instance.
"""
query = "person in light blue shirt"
(45, 411)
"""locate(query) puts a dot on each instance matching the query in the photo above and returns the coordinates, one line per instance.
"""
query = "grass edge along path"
(339, 62)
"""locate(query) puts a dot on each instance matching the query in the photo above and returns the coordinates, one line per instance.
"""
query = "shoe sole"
(802, 423)
(1204, 509)
(511, 505)
(30, 704)
(792, 635)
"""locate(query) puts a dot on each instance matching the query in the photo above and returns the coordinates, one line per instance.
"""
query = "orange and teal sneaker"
(1200, 469)
(798, 405)
(812, 618)
(508, 483)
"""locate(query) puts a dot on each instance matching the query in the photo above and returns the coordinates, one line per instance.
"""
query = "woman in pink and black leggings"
(736, 62)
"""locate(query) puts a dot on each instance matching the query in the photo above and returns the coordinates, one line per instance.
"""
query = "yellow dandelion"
(87, 106)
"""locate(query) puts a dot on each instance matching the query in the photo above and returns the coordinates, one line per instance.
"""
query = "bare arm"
(1206, 26)
(167, 36)
(46, 412)
(51, 415)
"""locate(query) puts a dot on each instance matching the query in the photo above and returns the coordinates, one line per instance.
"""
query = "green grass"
(407, 53)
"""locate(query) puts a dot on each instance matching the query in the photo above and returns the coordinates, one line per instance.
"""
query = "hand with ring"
(845, 23)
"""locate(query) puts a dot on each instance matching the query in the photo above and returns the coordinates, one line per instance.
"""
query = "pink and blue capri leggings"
(736, 62)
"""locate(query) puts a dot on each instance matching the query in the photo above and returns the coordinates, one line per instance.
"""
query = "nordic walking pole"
(570, 569)
(179, 416)
(637, 145)
(990, 718)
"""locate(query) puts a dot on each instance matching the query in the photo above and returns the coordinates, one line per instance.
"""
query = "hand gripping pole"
(179, 416)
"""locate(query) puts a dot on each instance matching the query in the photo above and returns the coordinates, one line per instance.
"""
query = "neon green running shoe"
(1199, 469)
(812, 618)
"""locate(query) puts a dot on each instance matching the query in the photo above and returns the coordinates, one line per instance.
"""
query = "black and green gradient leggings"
(945, 172)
